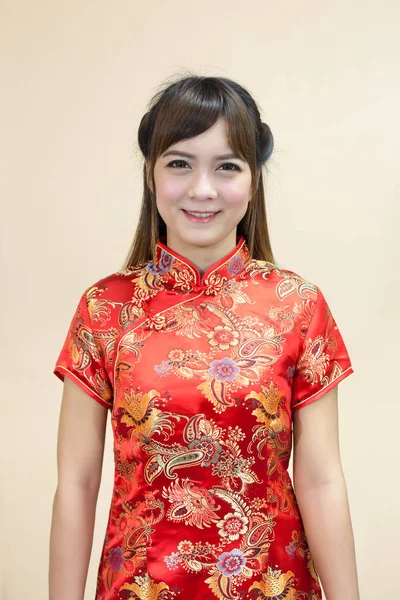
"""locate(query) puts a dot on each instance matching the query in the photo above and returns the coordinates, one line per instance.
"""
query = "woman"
(207, 355)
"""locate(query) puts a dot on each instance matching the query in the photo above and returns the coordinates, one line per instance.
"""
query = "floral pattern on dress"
(202, 375)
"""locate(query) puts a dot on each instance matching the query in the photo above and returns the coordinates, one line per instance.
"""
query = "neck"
(202, 256)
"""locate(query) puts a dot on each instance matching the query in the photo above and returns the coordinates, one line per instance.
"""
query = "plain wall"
(76, 77)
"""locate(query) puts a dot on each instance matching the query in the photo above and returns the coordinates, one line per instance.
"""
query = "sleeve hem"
(60, 372)
(322, 391)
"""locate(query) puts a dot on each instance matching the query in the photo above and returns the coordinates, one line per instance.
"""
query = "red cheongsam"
(201, 375)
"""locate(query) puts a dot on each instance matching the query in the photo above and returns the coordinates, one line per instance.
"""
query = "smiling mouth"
(200, 217)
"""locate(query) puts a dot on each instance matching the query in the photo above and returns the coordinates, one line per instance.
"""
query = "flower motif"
(166, 261)
(153, 268)
(162, 266)
(235, 433)
(116, 559)
(210, 447)
(290, 373)
(233, 525)
(223, 336)
(275, 584)
(124, 522)
(224, 370)
(172, 561)
(176, 355)
(163, 369)
(291, 549)
(154, 321)
(236, 264)
(185, 547)
(231, 563)
(139, 409)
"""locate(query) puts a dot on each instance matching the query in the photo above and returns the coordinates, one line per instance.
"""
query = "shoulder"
(115, 300)
(119, 286)
(288, 283)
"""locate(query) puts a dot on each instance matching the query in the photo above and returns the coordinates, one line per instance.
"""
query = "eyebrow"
(189, 155)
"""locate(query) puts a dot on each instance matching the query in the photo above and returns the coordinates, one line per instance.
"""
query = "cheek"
(172, 187)
(169, 189)
(236, 193)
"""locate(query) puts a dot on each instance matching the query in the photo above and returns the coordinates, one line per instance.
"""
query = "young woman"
(207, 355)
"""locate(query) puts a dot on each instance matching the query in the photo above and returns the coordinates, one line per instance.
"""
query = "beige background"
(76, 77)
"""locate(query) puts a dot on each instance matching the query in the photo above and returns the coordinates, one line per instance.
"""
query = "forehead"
(213, 141)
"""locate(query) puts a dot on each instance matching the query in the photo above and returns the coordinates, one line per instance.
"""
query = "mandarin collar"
(176, 272)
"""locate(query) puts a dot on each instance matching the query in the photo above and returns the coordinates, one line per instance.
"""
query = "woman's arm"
(321, 494)
(80, 448)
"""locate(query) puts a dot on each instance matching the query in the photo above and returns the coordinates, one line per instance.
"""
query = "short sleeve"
(82, 358)
(323, 359)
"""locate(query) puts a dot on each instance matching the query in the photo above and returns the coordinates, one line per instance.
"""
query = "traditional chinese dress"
(201, 376)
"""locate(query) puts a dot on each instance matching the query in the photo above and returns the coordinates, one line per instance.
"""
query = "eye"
(176, 161)
(179, 163)
(235, 167)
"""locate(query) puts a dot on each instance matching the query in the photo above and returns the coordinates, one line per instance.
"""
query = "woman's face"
(201, 174)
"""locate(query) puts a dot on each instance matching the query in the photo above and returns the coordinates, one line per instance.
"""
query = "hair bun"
(266, 145)
(144, 134)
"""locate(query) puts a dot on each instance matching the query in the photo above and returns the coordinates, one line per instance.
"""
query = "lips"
(200, 219)
(202, 212)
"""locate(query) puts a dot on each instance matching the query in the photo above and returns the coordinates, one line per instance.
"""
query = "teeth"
(195, 214)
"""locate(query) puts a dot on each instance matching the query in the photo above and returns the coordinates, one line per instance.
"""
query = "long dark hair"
(184, 109)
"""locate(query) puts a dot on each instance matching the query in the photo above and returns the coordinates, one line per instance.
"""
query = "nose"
(202, 185)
